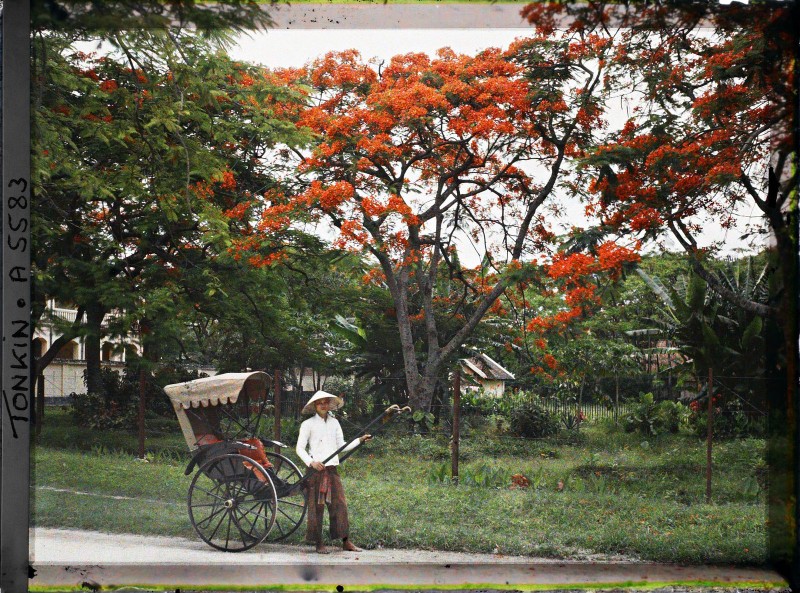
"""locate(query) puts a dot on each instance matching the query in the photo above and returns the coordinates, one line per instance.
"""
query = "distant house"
(481, 372)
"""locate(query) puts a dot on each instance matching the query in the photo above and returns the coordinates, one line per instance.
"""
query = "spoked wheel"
(229, 506)
(291, 501)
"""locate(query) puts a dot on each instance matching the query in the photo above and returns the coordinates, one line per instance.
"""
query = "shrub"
(670, 416)
(650, 418)
(497, 425)
(642, 418)
(531, 420)
(96, 411)
(730, 420)
(484, 476)
(118, 404)
(361, 400)
(571, 420)
(477, 403)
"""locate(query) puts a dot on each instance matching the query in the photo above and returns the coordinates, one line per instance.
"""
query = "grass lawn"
(620, 494)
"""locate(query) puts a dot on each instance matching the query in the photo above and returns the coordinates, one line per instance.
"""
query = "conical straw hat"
(309, 408)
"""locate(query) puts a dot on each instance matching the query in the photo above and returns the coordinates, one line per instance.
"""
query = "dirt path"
(69, 559)
(82, 547)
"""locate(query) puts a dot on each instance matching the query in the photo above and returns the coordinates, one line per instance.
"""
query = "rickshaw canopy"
(209, 392)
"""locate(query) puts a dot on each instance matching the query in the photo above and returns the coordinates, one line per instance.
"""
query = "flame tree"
(419, 158)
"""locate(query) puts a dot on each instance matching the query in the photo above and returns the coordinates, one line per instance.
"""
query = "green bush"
(498, 425)
(484, 476)
(477, 403)
(650, 418)
(643, 417)
(670, 416)
(118, 405)
(95, 411)
(531, 420)
(730, 420)
(360, 399)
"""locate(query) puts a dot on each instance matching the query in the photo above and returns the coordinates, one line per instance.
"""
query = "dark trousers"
(333, 498)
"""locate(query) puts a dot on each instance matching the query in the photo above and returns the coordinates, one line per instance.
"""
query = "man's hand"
(317, 466)
(365, 438)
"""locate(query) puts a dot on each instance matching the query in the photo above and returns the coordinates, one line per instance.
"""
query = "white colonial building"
(64, 375)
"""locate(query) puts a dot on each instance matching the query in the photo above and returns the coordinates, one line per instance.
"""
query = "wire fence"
(745, 396)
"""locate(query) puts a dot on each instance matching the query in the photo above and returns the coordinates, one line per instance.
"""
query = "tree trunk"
(94, 319)
(420, 397)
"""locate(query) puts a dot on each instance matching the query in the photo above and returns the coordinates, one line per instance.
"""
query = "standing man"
(320, 436)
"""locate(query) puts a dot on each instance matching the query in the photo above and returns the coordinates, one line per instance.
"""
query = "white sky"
(296, 47)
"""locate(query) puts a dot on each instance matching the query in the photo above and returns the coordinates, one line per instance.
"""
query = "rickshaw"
(242, 493)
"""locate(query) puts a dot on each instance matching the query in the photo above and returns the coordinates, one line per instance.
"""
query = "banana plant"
(709, 330)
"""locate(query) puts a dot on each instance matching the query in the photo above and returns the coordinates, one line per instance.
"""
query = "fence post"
(709, 431)
(142, 395)
(277, 404)
(456, 418)
(39, 403)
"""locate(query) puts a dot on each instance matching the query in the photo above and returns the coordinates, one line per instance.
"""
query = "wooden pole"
(142, 395)
(456, 419)
(277, 404)
(39, 403)
(709, 432)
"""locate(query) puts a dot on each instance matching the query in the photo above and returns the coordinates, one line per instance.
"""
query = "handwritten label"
(16, 398)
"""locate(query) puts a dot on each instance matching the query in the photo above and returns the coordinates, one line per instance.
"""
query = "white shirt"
(321, 437)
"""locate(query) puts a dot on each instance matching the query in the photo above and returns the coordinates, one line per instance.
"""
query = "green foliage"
(145, 177)
(729, 420)
(570, 419)
(94, 411)
(643, 417)
(498, 424)
(423, 420)
(118, 404)
(649, 418)
(358, 400)
(477, 403)
(671, 415)
(533, 421)
(440, 473)
(483, 476)
(290, 430)
(480, 476)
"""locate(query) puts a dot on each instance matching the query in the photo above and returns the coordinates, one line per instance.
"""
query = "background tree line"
(160, 195)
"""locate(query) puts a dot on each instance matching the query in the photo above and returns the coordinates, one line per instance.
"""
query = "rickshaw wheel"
(292, 503)
(229, 506)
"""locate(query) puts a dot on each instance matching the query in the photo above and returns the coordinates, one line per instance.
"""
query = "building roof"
(486, 368)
